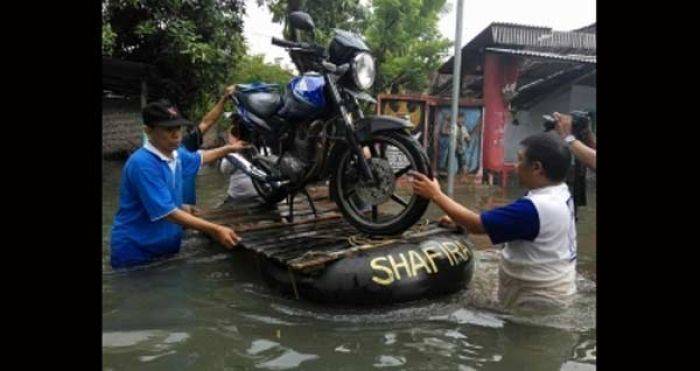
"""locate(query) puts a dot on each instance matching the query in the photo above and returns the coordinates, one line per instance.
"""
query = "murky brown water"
(208, 309)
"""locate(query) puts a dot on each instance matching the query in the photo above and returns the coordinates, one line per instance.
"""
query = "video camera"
(580, 123)
(580, 128)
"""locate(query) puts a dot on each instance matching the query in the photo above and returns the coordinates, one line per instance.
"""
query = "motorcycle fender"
(372, 124)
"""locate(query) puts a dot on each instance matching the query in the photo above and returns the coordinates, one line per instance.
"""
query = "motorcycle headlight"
(363, 70)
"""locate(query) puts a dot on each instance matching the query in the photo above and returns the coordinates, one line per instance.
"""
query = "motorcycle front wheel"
(388, 206)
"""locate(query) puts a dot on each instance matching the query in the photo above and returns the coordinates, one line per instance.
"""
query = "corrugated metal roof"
(591, 28)
(532, 53)
(509, 34)
(529, 93)
(506, 34)
(518, 36)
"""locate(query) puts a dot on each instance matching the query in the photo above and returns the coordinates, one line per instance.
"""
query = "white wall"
(582, 97)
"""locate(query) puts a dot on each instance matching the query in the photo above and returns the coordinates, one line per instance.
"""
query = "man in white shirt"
(240, 186)
(538, 231)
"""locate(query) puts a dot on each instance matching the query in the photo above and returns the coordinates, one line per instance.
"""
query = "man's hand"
(366, 152)
(459, 215)
(236, 144)
(226, 236)
(424, 187)
(215, 113)
(229, 91)
(217, 153)
(446, 221)
(563, 125)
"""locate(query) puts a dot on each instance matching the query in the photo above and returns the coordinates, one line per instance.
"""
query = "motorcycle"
(316, 131)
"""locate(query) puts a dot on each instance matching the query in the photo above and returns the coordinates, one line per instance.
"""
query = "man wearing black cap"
(149, 221)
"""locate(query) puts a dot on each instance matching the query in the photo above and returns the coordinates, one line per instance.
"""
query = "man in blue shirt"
(193, 140)
(538, 265)
(149, 222)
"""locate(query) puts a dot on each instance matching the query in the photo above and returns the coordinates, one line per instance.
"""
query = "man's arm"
(583, 153)
(460, 214)
(430, 189)
(213, 116)
(590, 140)
(189, 209)
(226, 167)
(225, 236)
(217, 153)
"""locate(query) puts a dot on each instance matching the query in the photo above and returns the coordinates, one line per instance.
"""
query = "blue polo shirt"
(191, 142)
(189, 185)
(150, 189)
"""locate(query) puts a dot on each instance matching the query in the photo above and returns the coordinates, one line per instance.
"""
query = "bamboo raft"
(310, 241)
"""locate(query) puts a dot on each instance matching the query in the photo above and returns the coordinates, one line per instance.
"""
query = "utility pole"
(456, 79)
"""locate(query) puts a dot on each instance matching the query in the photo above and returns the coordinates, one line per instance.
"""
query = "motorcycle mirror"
(301, 21)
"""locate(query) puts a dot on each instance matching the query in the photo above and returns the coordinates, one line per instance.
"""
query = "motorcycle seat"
(260, 99)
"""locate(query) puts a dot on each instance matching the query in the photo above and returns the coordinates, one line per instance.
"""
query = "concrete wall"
(571, 98)
(582, 97)
(122, 131)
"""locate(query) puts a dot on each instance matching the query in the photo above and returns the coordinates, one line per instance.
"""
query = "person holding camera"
(582, 151)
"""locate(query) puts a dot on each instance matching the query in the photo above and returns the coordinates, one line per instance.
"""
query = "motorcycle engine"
(296, 163)
(292, 166)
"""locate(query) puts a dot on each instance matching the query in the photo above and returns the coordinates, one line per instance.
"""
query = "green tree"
(253, 68)
(347, 15)
(404, 38)
(108, 37)
(192, 43)
(402, 34)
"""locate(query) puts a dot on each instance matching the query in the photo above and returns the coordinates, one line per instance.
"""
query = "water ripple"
(466, 316)
(288, 359)
(390, 361)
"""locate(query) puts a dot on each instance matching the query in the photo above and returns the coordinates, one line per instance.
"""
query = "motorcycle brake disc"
(379, 192)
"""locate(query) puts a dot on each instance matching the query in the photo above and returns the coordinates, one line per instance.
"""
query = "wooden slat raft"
(309, 242)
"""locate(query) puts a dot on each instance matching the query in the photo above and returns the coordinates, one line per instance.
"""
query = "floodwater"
(208, 309)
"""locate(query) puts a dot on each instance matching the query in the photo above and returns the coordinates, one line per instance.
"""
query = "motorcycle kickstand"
(311, 202)
(290, 201)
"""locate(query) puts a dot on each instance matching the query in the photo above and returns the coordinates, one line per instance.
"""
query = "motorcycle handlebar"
(284, 43)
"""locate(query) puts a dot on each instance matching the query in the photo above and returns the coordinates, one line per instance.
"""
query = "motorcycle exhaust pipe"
(253, 171)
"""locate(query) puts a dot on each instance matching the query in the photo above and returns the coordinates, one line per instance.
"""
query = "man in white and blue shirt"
(151, 214)
(538, 231)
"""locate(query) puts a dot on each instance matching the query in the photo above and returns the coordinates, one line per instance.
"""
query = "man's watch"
(569, 138)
